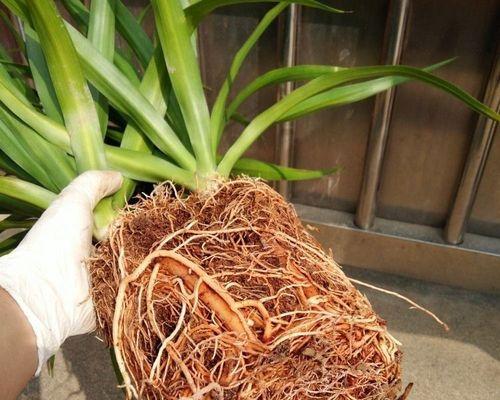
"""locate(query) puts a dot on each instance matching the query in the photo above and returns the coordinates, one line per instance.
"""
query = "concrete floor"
(463, 364)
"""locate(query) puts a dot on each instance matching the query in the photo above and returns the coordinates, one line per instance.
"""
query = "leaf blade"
(70, 86)
(185, 75)
(325, 82)
(274, 172)
(218, 117)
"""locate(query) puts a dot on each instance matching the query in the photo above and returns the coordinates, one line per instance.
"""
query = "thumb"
(94, 185)
(67, 223)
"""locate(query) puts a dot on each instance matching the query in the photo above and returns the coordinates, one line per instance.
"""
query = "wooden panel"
(337, 136)
(221, 35)
(485, 217)
(7, 39)
(430, 132)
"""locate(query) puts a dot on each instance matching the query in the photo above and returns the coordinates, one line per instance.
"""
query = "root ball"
(227, 296)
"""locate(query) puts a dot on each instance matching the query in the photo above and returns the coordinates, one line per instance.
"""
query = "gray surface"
(463, 364)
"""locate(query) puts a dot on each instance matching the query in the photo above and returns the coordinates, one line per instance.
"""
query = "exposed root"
(227, 296)
(399, 296)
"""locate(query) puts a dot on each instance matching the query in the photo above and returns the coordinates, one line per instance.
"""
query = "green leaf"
(126, 98)
(101, 33)
(126, 68)
(196, 12)
(144, 13)
(13, 222)
(277, 76)
(185, 75)
(11, 168)
(260, 123)
(154, 87)
(117, 156)
(16, 86)
(70, 86)
(218, 118)
(127, 25)
(114, 135)
(19, 190)
(16, 149)
(41, 76)
(8, 205)
(333, 97)
(9, 65)
(273, 172)
(18, 7)
(132, 32)
(11, 242)
(147, 168)
(54, 161)
(11, 72)
(51, 130)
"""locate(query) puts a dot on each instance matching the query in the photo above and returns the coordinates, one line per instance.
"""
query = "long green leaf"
(11, 168)
(10, 243)
(154, 89)
(126, 23)
(328, 81)
(333, 97)
(120, 92)
(185, 76)
(196, 12)
(127, 98)
(154, 86)
(13, 222)
(18, 71)
(27, 192)
(51, 130)
(10, 65)
(71, 88)
(16, 149)
(148, 168)
(14, 85)
(55, 162)
(18, 7)
(277, 76)
(41, 76)
(8, 205)
(273, 172)
(126, 68)
(218, 117)
(101, 34)
(133, 33)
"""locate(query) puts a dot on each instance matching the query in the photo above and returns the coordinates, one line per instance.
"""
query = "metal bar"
(395, 31)
(389, 248)
(286, 130)
(476, 160)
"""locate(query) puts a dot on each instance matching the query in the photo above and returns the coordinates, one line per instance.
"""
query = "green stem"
(185, 75)
(25, 191)
(101, 34)
(70, 86)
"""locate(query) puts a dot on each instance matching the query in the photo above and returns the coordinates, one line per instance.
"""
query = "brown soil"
(229, 297)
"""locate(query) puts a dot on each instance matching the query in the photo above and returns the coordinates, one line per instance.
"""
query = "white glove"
(46, 274)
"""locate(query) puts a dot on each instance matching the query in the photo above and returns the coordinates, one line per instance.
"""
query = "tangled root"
(227, 296)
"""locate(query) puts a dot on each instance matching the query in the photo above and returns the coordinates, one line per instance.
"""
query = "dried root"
(227, 296)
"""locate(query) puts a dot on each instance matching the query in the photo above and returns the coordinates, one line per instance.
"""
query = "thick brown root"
(227, 296)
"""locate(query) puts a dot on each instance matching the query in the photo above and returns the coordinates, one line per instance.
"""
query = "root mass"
(228, 296)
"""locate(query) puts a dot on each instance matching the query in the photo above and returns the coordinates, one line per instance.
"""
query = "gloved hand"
(46, 274)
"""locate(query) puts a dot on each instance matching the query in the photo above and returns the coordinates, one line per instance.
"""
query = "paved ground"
(463, 364)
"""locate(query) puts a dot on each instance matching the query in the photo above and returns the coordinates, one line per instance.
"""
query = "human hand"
(46, 274)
